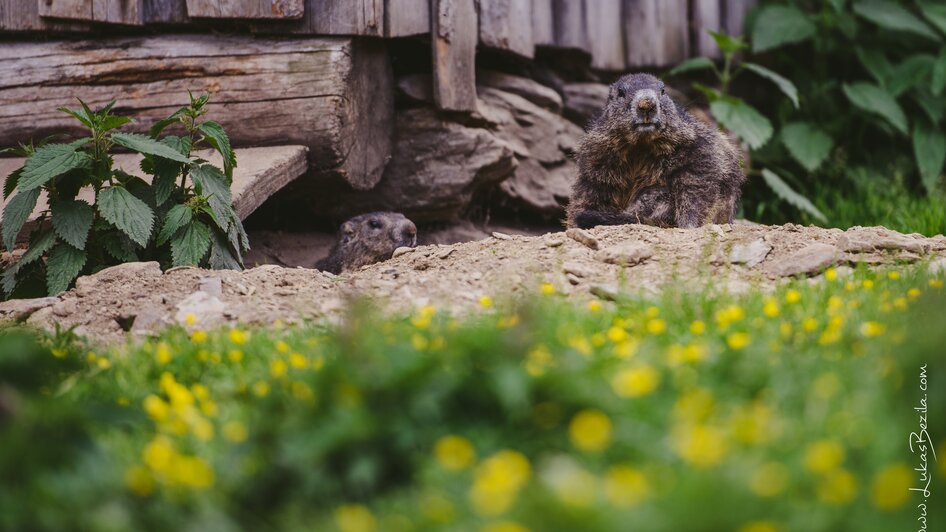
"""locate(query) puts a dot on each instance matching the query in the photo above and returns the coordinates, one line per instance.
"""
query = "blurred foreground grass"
(790, 410)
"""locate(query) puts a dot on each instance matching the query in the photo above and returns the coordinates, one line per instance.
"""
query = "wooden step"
(259, 174)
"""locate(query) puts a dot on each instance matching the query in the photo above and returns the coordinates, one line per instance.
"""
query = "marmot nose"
(408, 231)
(646, 104)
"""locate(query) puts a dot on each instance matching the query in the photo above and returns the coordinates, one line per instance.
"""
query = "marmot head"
(639, 107)
(369, 238)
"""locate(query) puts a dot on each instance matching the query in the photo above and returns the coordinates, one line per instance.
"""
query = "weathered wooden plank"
(707, 16)
(656, 32)
(569, 23)
(605, 34)
(332, 95)
(333, 17)
(507, 25)
(250, 9)
(129, 12)
(454, 54)
(543, 23)
(734, 15)
(23, 15)
(165, 12)
(403, 18)
(260, 173)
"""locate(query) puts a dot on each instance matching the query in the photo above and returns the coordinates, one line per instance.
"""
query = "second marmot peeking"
(368, 238)
(646, 160)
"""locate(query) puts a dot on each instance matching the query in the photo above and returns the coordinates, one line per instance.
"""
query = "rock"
(64, 308)
(212, 286)
(541, 189)
(527, 88)
(122, 273)
(583, 101)
(404, 250)
(206, 309)
(573, 280)
(749, 254)
(436, 169)
(500, 236)
(605, 291)
(938, 266)
(626, 254)
(809, 260)
(554, 240)
(147, 321)
(582, 237)
(861, 240)
(21, 309)
(577, 269)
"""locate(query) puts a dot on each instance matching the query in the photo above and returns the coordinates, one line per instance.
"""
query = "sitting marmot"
(646, 160)
(369, 238)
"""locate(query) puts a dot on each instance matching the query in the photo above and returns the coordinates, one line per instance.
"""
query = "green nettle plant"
(744, 120)
(184, 216)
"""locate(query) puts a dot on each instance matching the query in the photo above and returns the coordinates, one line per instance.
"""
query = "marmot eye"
(663, 90)
(375, 224)
(621, 93)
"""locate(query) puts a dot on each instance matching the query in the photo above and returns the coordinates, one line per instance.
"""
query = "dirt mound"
(138, 297)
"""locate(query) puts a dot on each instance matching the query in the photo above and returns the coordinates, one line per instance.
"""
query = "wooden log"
(276, 9)
(333, 17)
(543, 23)
(23, 15)
(571, 28)
(332, 95)
(403, 18)
(707, 17)
(454, 54)
(605, 34)
(734, 15)
(657, 32)
(507, 25)
(128, 12)
(166, 12)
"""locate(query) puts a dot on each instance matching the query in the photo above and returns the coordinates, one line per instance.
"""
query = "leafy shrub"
(184, 216)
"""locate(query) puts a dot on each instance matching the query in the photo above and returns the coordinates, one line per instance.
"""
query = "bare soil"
(601, 263)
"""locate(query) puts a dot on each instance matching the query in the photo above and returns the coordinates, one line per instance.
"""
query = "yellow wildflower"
(759, 526)
(454, 453)
(497, 481)
(261, 388)
(893, 275)
(769, 480)
(58, 352)
(423, 317)
(302, 391)
(871, 329)
(355, 518)
(770, 308)
(792, 296)
(156, 408)
(103, 363)
(139, 481)
(163, 353)
(752, 423)
(157, 455)
(504, 526)
(282, 347)
(235, 431)
(190, 318)
(635, 382)
(573, 485)
(235, 355)
(729, 315)
(203, 429)
(738, 340)
(837, 487)
(590, 431)
(695, 405)
(913, 293)
(700, 445)
(823, 456)
(656, 326)
(199, 336)
(652, 312)
(936, 283)
(831, 274)
(890, 488)
(538, 360)
(581, 344)
(594, 306)
(625, 486)
(486, 301)
(238, 336)
(617, 334)
(809, 324)
(298, 361)
(697, 327)
(548, 289)
(278, 368)
(867, 284)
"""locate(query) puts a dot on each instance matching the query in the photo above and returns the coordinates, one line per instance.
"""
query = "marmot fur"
(647, 160)
(368, 238)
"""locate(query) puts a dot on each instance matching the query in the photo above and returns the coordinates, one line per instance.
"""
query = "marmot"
(647, 160)
(368, 238)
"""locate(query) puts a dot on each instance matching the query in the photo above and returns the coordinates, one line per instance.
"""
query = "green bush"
(184, 216)
(787, 410)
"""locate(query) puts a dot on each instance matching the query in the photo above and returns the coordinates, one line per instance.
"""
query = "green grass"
(694, 411)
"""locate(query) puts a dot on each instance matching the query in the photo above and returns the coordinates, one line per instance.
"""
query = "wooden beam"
(657, 32)
(707, 16)
(23, 15)
(165, 12)
(543, 23)
(250, 9)
(571, 28)
(128, 12)
(332, 95)
(605, 34)
(454, 54)
(333, 17)
(734, 15)
(507, 25)
(403, 18)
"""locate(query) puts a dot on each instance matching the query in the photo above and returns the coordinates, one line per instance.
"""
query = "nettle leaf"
(893, 16)
(933, 106)
(217, 138)
(48, 162)
(728, 44)
(72, 221)
(697, 63)
(11, 181)
(210, 182)
(777, 26)
(929, 147)
(938, 76)
(147, 145)
(160, 125)
(743, 120)
(876, 64)
(784, 85)
(785, 192)
(84, 115)
(177, 217)
(126, 212)
(111, 122)
(221, 257)
(808, 144)
(915, 71)
(874, 99)
(40, 243)
(16, 213)
(190, 245)
(935, 13)
(237, 237)
(63, 266)
(166, 172)
(119, 246)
